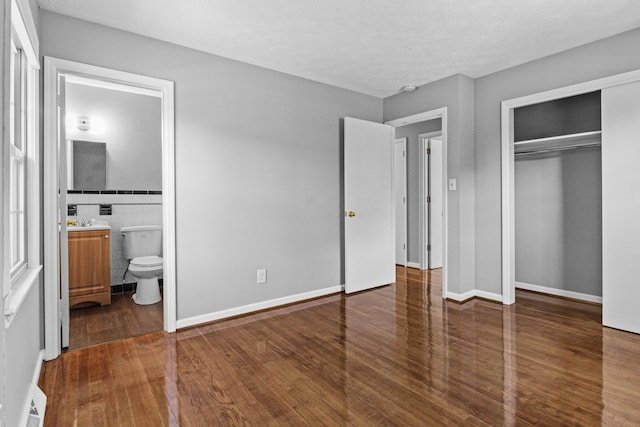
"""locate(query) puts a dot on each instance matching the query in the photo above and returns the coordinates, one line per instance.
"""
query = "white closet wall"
(621, 207)
(558, 214)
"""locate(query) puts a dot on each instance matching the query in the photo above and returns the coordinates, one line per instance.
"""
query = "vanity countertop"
(88, 227)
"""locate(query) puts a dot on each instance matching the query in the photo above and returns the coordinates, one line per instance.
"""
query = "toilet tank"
(141, 240)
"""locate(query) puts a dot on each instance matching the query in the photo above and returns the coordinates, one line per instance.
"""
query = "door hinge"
(428, 199)
(428, 247)
(404, 246)
(402, 153)
(404, 199)
(429, 151)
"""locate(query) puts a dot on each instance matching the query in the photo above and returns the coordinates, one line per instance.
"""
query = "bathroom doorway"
(109, 154)
(113, 161)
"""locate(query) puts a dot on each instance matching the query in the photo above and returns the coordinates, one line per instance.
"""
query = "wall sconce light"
(94, 125)
(84, 123)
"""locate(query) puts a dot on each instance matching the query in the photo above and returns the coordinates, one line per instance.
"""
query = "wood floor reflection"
(121, 319)
(396, 355)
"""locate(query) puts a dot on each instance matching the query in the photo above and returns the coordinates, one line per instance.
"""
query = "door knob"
(351, 214)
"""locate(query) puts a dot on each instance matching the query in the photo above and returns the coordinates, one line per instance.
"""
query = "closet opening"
(558, 197)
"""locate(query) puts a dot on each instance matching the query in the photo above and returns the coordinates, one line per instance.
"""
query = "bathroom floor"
(122, 319)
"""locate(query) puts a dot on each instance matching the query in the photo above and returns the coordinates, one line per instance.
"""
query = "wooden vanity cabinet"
(89, 267)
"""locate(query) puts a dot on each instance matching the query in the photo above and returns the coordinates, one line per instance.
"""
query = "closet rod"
(549, 150)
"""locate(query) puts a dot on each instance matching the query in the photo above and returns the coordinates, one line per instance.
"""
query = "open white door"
(400, 197)
(369, 205)
(62, 212)
(436, 190)
(620, 207)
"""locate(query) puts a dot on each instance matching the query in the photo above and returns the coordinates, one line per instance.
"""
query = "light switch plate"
(452, 184)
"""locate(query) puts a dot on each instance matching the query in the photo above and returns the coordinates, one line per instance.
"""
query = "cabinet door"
(89, 266)
(621, 207)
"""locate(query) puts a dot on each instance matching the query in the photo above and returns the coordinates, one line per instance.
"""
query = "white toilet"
(142, 246)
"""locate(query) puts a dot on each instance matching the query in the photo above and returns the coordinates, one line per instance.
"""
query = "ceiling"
(369, 46)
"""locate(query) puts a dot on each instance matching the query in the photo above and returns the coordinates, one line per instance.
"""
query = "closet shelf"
(558, 143)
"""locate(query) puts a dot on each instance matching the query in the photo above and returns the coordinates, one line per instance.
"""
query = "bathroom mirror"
(88, 164)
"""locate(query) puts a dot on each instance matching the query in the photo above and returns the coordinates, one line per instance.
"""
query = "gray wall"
(457, 94)
(257, 165)
(558, 219)
(412, 132)
(23, 346)
(133, 134)
(602, 58)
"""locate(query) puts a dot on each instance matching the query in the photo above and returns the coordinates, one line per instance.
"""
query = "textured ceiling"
(370, 46)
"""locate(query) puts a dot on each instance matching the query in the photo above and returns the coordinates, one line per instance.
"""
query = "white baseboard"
(474, 293)
(461, 297)
(249, 308)
(488, 295)
(559, 292)
(414, 265)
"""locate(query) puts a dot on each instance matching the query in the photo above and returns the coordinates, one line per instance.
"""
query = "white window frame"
(23, 276)
(17, 159)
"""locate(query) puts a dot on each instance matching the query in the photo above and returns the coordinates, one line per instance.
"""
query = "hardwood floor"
(396, 355)
(121, 319)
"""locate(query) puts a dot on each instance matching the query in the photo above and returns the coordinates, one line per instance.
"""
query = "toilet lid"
(147, 261)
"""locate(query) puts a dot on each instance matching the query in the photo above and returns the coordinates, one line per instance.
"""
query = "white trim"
(249, 308)
(488, 295)
(507, 163)
(423, 218)
(461, 297)
(559, 292)
(417, 118)
(474, 293)
(112, 86)
(413, 265)
(403, 142)
(16, 297)
(32, 393)
(24, 25)
(438, 113)
(53, 68)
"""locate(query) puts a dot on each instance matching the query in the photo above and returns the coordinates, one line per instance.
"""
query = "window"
(17, 162)
(21, 171)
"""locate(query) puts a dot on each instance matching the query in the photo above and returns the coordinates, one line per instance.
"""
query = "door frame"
(423, 211)
(507, 165)
(53, 68)
(438, 113)
(403, 141)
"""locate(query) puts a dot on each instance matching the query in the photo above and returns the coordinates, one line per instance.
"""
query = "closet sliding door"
(621, 207)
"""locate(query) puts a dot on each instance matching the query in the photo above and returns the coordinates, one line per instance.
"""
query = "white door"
(621, 207)
(62, 213)
(436, 191)
(369, 208)
(400, 197)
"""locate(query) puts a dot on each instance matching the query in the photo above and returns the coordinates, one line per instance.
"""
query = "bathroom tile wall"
(127, 209)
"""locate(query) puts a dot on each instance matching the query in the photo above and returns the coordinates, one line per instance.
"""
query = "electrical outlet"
(261, 276)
